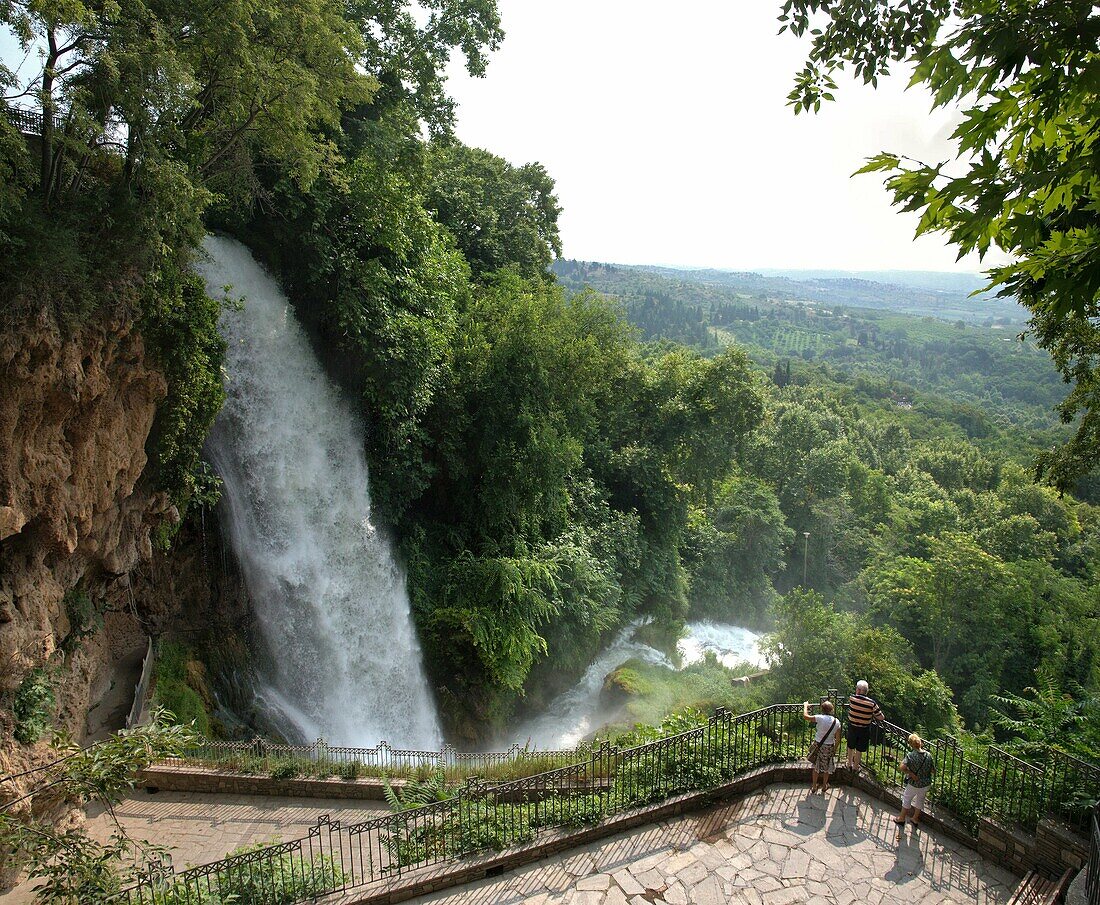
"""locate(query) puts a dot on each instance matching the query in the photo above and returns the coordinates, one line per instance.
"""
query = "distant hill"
(945, 296)
(967, 351)
(935, 281)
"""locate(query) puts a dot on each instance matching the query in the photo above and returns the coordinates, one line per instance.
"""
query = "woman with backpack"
(822, 753)
(919, 767)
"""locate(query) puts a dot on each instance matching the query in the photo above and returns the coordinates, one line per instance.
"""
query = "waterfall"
(342, 659)
(577, 713)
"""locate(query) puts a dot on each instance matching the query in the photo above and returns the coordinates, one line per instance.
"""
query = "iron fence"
(1092, 869)
(29, 122)
(493, 812)
(322, 759)
(1004, 787)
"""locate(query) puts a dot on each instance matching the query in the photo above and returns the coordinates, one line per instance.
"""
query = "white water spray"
(579, 712)
(330, 601)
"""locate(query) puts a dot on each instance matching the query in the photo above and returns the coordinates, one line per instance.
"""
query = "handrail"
(142, 688)
(1092, 869)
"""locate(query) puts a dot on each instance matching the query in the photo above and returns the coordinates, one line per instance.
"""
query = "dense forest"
(864, 488)
(974, 361)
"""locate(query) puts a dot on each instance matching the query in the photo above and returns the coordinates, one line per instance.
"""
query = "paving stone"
(599, 882)
(579, 865)
(583, 897)
(677, 863)
(676, 894)
(784, 896)
(628, 883)
(767, 884)
(707, 892)
(648, 863)
(614, 896)
(693, 873)
(796, 865)
(652, 879)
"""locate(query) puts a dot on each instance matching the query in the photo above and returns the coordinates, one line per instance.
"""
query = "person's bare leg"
(857, 757)
(900, 819)
(916, 816)
(813, 780)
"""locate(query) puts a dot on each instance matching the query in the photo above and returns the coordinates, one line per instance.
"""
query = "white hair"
(862, 686)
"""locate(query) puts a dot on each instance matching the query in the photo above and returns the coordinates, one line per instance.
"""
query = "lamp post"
(805, 555)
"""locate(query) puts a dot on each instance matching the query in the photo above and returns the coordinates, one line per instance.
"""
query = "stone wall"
(190, 779)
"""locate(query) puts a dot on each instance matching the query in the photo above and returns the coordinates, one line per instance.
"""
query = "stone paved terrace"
(200, 828)
(780, 846)
(203, 827)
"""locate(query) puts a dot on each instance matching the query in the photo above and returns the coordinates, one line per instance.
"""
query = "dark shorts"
(859, 737)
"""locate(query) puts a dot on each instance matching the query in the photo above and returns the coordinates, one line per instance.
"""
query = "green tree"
(956, 606)
(67, 865)
(1046, 715)
(500, 215)
(733, 548)
(1022, 175)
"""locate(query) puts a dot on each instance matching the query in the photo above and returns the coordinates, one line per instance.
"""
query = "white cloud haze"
(669, 136)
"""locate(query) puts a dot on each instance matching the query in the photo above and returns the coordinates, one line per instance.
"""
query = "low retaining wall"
(196, 779)
(163, 778)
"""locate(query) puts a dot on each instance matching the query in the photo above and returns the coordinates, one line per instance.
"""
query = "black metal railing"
(29, 122)
(321, 759)
(589, 785)
(1092, 868)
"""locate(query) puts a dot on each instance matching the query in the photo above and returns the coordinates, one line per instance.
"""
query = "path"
(780, 846)
(200, 828)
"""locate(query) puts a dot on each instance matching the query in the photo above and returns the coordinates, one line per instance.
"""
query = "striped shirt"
(862, 709)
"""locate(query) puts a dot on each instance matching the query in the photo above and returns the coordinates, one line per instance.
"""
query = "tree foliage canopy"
(1023, 176)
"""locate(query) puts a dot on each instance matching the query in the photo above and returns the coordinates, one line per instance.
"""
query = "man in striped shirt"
(862, 709)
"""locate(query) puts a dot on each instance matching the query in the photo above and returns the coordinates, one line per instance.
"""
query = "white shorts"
(912, 797)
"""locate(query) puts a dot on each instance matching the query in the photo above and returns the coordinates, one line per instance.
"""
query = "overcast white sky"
(667, 131)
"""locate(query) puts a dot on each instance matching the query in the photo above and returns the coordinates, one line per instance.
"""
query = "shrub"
(278, 880)
(349, 770)
(175, 693)
(287, 768)
(33, 707)
(85, 618)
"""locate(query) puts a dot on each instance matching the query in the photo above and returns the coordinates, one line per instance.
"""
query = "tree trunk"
(46, 163)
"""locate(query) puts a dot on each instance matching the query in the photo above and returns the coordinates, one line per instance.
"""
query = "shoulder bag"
(815, 746)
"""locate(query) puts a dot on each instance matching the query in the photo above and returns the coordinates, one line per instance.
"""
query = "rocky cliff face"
(75, 413)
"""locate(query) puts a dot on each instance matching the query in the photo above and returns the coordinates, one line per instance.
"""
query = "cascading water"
(580, 711)
(342, 657)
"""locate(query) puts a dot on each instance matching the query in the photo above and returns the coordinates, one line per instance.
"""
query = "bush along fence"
(483, 816)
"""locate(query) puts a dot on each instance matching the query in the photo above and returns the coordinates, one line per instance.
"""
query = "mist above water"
(578, 712)
(342, 660)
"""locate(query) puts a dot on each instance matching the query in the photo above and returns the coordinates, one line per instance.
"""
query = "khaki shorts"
(912, 797)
